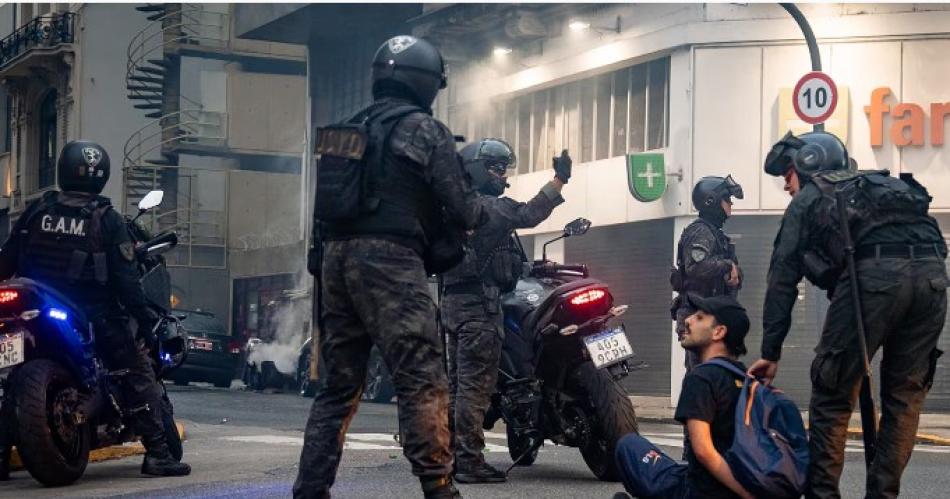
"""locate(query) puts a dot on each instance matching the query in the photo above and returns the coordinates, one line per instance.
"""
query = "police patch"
(92, 156)
(128, 252)
(697, 254)
(399, 43)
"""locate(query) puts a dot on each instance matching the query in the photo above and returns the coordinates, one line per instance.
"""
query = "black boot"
(159, 461)
(482, 473)
(439, 488)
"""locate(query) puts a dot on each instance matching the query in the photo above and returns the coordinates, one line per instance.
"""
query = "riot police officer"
(389, 185)
(471, 307)
(706, 262)
(902, 285)
(93, 264)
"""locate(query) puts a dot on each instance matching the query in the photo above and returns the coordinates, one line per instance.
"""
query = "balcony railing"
(46, 31)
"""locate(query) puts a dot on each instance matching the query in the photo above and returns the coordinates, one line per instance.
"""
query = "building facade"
(705, 89)
(181, 105)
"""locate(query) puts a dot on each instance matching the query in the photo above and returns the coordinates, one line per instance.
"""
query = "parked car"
(213, 356)
(379, 384)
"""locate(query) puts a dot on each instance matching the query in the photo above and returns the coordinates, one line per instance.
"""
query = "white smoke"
(291, 329)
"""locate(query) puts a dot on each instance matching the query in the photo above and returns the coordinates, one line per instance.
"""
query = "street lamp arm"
(810, 40)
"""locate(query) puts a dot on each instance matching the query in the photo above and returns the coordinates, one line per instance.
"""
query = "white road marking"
(362, 441)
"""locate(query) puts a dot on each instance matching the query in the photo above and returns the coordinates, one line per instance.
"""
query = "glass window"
(48, 146)
(621, 87)
(524, 133)
(658, 108)
(602, 133)
(587, 120)
(638, 107)
(538, 125)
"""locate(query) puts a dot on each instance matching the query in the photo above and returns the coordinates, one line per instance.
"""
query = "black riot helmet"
(808, 154)
(709, 193)
(485, 157)
(83, 166)
(408, 65)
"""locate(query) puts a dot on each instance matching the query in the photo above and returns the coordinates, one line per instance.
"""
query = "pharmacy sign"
(646, 176)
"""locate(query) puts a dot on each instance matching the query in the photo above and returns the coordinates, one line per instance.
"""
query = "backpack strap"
(718, 361)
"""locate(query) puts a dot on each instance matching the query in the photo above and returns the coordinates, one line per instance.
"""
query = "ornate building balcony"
(44, 39)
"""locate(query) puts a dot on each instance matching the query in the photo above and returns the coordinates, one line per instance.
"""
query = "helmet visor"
(780, 158)
(732, 187)
(498, 156)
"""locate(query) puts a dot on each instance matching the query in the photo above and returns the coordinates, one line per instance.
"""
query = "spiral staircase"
(177, 125)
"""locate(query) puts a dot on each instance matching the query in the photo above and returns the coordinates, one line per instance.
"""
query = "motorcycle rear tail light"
(8, 295)
(589, 296)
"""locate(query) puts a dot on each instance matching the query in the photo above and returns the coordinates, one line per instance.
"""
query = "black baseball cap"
(727, 312)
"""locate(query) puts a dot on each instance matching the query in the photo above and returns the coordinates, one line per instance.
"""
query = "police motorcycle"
(58, 400)
(563, 355)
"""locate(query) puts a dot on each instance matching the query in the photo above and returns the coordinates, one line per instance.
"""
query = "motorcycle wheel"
(379, 385)
(517, 445)
(172, 437)
(614, 417)
(54, 450)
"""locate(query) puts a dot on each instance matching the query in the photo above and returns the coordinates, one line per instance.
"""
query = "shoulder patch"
(698, 253)
(127, 251)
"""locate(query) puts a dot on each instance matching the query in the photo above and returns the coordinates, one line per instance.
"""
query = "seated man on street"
(706, 407)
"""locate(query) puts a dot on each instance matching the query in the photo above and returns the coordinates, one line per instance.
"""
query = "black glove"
(562, 166)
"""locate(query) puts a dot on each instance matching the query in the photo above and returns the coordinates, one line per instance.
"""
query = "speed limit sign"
(815, 97)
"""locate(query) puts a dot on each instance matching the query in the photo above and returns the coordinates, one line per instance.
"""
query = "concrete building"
(706, 89)
(181, 105)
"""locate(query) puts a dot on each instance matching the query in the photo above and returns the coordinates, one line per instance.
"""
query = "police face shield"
(732, 188)
(781, 158)
(498, 157)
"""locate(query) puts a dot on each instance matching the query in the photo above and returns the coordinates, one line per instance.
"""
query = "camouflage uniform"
(375, 291)
(472, 318)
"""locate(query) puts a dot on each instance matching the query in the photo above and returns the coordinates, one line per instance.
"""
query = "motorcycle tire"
(172, 437)
(379, 386)
(613, 417)
(517, 445)
(43, 447)
(305, 386)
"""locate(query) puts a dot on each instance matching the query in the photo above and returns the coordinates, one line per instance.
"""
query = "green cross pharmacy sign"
(646, 176)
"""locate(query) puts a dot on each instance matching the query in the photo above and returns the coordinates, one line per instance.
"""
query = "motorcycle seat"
(530, 321)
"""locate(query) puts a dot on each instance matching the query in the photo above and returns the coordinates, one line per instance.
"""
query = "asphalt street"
(246, 445)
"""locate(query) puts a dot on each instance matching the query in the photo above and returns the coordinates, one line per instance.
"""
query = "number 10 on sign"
(815, 97)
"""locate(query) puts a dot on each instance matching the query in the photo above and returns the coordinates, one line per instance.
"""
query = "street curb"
(103, 454)
(853, 433)
(922, 438)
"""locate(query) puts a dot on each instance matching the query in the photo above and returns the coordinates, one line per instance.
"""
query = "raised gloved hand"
(562, 166)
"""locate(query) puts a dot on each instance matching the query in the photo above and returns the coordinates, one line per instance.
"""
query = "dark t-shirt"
(710, 394)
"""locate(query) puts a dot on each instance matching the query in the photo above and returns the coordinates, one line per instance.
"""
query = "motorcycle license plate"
(608, 347)
(202, 345)
(11, 350)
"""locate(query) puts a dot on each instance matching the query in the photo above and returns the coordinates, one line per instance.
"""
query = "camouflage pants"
(474, 327)
(375, 292)
(904, 305)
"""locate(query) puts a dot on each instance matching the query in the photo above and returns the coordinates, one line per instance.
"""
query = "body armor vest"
(682, 282)
(394, 198)
(63, 243)
(874, 199)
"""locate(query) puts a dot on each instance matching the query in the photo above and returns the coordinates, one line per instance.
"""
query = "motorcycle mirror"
(151, 200)
(578, 227)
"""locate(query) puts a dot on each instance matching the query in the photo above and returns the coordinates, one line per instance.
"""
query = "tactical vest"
(874, 199)
(501, 265)
(682, 283)
(63, 244)
(374, 192)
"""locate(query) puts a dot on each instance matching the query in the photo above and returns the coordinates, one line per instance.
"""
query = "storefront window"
(601, 117)
(48, 147)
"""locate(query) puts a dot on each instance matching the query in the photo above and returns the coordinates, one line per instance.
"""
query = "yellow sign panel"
(837, 124)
